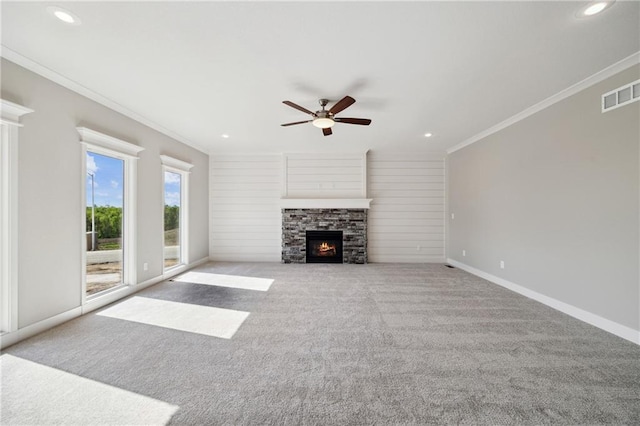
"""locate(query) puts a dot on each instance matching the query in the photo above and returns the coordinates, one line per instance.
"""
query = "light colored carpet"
(207, 320)
(359, 344)
(34, 394)
(221, 280)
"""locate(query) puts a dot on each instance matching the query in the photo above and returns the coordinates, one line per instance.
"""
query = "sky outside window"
(108, 178)
(171, 189)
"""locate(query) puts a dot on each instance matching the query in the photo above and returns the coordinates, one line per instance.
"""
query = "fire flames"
(326, 249)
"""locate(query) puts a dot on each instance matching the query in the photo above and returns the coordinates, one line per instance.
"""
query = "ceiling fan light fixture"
(323, 122)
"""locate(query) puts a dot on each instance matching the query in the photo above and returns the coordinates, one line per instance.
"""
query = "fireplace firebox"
(324, 246)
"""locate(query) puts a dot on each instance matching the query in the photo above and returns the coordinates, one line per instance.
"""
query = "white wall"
(50, 188)
(556, 196)
(246, 221)
(407, 210)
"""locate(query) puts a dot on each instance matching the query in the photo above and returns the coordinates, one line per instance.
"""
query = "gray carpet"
(359, 344)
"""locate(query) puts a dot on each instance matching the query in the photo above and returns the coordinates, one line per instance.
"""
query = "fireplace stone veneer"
(352, 223)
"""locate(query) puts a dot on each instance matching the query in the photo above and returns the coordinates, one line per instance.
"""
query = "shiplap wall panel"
(408, 207)
(246, 220)
(338, 175)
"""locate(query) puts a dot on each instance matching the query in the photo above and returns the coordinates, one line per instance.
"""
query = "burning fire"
(326, 249)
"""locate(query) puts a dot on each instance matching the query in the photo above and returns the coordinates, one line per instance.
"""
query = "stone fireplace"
(350, 222)
(324, 192)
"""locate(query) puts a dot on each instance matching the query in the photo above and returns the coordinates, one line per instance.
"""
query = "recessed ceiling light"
(427, 135)
(594, 8)
(64, 15)
(226, 136)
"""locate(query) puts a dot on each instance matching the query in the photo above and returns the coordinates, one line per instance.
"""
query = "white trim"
(130, 219)
(83, 222)
(175, 163)
(8, 339)
(14, 337)
(10, 113)
(325, 203)
(99, 143)
(184, 219)
(338, 155)
(109, 142)
(612, 327)
(285, 176)
(364, 174)
(572, 90)
(88, 93)
(9, 227)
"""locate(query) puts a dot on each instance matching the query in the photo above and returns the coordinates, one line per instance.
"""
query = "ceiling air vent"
(621, 96)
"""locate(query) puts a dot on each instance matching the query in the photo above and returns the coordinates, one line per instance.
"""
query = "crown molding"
(569, 91)
(49, 74)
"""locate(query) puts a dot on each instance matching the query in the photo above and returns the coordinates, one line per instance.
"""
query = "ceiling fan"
(326, 119)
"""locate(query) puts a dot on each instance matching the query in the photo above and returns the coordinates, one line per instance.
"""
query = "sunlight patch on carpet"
(36, 394)
(233, 281)
(207, 320)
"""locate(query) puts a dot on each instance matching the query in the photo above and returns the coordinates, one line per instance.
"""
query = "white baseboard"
(11, 338)
(8, 339)
(612, 327)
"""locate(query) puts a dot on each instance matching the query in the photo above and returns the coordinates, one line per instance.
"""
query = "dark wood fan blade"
(360, 121)
(297, 122)
(298, 107)
(327, 131)
(342, 104)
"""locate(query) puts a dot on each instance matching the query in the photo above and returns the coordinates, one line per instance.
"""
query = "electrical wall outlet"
(453, 215)
(464, 252)
(145, 266)
(502, 264)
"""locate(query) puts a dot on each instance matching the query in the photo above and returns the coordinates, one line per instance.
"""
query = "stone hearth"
(352, 223)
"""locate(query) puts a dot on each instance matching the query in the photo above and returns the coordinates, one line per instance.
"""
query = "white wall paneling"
(335, 175)
(407, 210)
(406, 218)
(246, 220)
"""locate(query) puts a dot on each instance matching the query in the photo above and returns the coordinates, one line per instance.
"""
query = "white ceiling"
(203, 69)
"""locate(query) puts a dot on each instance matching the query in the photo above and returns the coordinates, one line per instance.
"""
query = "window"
(104, 220)
(175, 232)
(9, 125)
(108, 212)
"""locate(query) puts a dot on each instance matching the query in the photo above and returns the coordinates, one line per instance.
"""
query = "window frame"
(10, 116)
(99, 143)
(182, 168)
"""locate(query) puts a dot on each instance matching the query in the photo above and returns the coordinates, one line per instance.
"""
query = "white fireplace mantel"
(325, 203)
